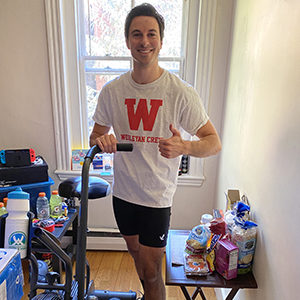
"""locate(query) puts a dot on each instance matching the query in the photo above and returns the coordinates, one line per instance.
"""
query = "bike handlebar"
(120, 147)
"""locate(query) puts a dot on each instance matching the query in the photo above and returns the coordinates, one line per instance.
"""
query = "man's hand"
(107, 143)
(173, 146)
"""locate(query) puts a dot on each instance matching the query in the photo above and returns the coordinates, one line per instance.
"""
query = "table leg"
(232, 293)
(197, 291)
(185, 292)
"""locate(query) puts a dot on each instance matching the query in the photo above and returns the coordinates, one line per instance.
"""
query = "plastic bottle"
(206, 219)
(42, 207)
(16, 228)
(3, 210)
(5, 201)
(55, 205)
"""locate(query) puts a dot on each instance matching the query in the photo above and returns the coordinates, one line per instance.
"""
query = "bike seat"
(70, 188)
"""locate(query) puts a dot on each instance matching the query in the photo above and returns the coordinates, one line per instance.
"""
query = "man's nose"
(145, 41)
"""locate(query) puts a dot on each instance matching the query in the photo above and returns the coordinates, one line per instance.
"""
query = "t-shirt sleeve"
(102, 115)
(193, 115)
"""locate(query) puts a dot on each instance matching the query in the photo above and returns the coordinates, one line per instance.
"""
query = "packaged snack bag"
(196, 264)
(197, 240)
(244, 237)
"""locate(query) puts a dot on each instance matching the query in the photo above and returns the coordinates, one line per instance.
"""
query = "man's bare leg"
(148, 263)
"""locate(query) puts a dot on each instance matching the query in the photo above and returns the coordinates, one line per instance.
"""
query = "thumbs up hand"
(173, 146)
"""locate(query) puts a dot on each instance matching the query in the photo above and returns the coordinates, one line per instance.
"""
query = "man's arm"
(208, 144)
(106, 142)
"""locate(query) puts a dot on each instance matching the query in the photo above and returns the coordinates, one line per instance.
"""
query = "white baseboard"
(106, 243)
(100, 243)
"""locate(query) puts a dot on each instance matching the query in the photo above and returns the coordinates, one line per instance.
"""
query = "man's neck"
(146, 74)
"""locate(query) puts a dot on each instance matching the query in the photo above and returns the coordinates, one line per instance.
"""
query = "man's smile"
(145, 51)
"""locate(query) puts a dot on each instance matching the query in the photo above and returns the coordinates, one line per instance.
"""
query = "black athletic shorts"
(150, 224)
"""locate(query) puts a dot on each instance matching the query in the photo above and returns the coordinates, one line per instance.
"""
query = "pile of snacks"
(222, 242)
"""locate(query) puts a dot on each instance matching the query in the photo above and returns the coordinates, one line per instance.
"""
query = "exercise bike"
(82, 288)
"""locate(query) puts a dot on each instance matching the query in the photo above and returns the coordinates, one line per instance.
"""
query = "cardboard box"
(227, 259)
(102, 163)
(233, 196)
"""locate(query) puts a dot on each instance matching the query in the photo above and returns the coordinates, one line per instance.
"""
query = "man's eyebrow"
(137, 30)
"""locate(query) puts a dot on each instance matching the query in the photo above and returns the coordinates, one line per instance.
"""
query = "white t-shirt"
(141, 114)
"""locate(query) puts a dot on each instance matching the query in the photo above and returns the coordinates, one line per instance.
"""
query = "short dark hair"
(148, 10)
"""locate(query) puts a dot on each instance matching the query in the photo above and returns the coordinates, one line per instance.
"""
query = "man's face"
(144, 40)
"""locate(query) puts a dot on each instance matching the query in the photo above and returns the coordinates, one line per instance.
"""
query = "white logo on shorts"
(162, 237)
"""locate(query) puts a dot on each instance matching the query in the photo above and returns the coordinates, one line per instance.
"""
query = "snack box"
(227, 259)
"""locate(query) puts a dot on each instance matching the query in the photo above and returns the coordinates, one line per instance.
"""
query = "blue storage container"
(33, 189)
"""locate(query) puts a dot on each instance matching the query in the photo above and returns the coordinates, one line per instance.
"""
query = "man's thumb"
(174, 131)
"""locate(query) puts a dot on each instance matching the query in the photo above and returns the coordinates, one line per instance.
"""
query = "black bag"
(35, 172)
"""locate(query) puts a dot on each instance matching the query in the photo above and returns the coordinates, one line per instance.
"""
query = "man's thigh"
(150, 224)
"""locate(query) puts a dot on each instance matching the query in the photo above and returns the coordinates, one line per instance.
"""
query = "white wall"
(261, 138)
(26, 109)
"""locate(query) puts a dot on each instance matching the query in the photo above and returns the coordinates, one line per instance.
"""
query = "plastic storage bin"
(33, 189)
(11, 275)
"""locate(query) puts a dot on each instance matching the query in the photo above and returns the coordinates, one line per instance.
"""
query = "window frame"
(68, 94)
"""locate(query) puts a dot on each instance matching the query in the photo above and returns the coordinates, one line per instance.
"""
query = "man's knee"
(152, 275)
(152, 268)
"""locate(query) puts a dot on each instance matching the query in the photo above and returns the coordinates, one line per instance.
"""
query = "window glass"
(172, 13)
(104, 27)
(95, 82)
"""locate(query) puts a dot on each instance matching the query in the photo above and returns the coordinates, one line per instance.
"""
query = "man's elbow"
(218, 148)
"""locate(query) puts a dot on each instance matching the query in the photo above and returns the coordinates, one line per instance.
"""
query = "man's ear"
(127, 43)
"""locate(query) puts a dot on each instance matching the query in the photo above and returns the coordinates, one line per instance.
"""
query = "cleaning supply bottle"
(17, 221)
(3, 210)
(55, 205)
(42, 207)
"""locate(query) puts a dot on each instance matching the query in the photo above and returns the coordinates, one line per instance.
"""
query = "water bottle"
(55, 205)
(16, 227)
(3, 210)
(42, 207)
(5, 201)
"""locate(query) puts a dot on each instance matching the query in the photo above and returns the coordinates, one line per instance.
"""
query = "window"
(77, 73)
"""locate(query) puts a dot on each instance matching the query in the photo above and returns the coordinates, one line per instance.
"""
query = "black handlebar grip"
(124, 147)
(120, 147)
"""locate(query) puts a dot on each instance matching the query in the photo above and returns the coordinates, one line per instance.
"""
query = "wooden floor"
(114, 270)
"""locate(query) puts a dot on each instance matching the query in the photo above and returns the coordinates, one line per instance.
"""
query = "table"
(175, 273)
(59, 233)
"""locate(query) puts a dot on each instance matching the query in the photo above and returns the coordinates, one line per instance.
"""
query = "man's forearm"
(206, 146)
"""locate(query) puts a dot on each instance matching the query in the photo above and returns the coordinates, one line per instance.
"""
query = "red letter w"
(142, 113)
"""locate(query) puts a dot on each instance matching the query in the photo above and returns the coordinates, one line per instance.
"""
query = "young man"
(148, 107)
